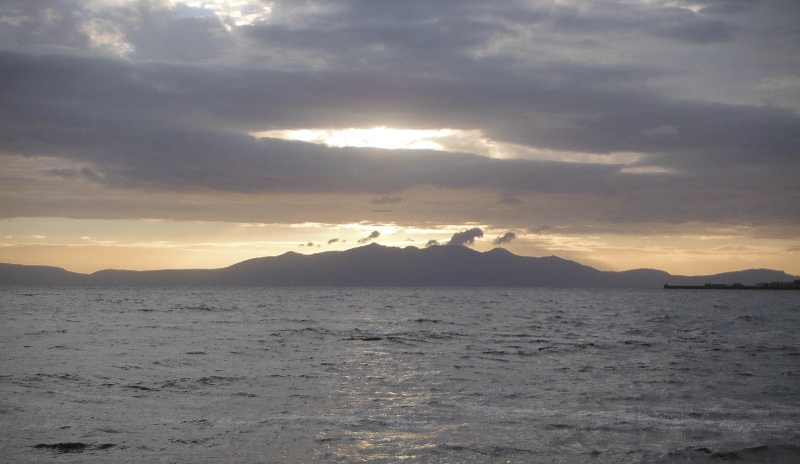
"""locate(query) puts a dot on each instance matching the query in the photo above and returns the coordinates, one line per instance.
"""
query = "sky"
(151, 134)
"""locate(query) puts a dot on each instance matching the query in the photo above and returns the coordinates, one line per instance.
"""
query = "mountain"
(376, 265)
(17, 274)
(438, 266)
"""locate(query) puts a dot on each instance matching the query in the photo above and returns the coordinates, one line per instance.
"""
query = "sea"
(451, 375)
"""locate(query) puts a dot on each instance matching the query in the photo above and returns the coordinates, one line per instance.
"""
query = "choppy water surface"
(383, 375)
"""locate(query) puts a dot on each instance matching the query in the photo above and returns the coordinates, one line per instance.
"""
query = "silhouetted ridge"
(376, 265)
(19, 274)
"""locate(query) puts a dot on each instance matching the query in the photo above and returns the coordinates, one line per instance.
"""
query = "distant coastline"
(794, 285)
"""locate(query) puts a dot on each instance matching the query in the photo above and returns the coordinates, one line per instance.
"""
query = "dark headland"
(382, 266)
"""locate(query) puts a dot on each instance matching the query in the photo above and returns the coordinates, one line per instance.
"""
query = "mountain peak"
(500, 251)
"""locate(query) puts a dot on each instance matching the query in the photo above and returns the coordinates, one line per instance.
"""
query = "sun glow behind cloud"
(104, 22)
(376, 137)
(452, 140)
(233, 12)
(105, 35)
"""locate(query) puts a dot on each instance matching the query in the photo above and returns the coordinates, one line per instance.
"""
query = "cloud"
(506, 238)
(466, 237)
(693, 28)
(333, 240)
(157, 96)
(373, 235)
(347, 33)
(172, 118)
(509, 199)
(386, 200)
(660, 131)
(432, 242)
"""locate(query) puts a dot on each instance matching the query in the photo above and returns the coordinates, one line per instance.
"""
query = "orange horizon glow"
(60, 243)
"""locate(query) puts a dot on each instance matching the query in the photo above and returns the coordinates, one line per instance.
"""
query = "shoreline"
(772, 286)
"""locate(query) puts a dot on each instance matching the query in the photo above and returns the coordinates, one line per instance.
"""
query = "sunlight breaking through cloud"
(233, 12)
(105, 35)
(451, 140)
(376, 137)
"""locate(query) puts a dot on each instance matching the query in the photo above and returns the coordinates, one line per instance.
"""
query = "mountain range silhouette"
(376, 265)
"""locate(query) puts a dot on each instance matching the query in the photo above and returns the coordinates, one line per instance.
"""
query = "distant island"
(376, 265)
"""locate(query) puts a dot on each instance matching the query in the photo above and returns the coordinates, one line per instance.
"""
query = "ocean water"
(388, 375)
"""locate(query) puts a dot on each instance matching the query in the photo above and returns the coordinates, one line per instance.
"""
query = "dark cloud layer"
(72, 107)
(163, 100)
(82, 100)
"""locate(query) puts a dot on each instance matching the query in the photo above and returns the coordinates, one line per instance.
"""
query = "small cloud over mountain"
(509, 236)
(374, 234)
(466, 238)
